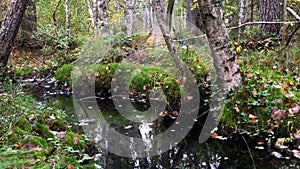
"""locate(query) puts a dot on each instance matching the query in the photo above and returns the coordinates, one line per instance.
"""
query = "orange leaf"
(214, 135)
(70, 166)
(20, 145)
(254, 121)
(260, 143)
(285, 85)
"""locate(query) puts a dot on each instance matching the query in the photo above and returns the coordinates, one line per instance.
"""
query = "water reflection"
(188, 153)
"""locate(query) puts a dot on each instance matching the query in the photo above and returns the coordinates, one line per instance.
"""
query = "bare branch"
(293, 13)
(258, 23)
(54, 12)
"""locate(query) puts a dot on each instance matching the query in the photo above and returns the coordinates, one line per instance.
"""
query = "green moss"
(265, 85)
(24, 72)
(41, 128)
(76, 141)
(24, 124)
(14, 136)
(63, 74)
(38, 141)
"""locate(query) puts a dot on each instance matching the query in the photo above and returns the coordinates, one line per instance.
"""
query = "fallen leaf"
(254, 121)
(260, 143)
(251, 116)
(20, 145)
(221, 138)
(276, 154)
(189, 97)
(75, 140)
(279, 115)
(279, 101)
(61, 134)
(249, 75)
(277, 86)
(260, 147)
(214, 135)
(296, 153)
(289, 95)
(254, 92)
(52, 117)
(70, 166)
(295, 109)
(29, 145)
(285, 85)
(296, 135)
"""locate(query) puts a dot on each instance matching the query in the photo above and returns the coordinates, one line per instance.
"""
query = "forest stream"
(236, 151)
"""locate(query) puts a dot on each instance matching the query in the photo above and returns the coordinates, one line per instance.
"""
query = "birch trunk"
(98, 13)
(9, 30)
(128, 16)
(224, 61)
(67, 22)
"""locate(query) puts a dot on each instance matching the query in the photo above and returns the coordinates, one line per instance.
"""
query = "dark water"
(236, 152)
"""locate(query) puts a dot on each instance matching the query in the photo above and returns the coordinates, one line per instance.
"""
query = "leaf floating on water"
(260, 147)
(260, 143)
(214, 135)
(189, 97)
(296, 153)
(279, 155)
(276, 154)
(128, 127)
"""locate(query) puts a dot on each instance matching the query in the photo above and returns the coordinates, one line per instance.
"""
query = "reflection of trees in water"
(231, 153)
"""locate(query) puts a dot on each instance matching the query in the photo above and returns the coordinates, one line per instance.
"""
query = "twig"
(290, 38)
(258, 23)
(196, 37)
(254, 166)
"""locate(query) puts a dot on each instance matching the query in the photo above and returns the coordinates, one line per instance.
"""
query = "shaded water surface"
(236, 152)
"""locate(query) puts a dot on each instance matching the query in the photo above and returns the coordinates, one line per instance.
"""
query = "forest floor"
(266, 104)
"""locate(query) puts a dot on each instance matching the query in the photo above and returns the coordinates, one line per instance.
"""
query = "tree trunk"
(227, 69)
(29, 22)
(270, 12)
(67, 23)
(98, 12)
(170, 8)
(9, 30)
(243, 15)
(128, 16)
(190, 14)
(167, 37)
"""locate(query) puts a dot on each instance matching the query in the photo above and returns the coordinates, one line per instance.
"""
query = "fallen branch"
(293, 13)
(258, 23)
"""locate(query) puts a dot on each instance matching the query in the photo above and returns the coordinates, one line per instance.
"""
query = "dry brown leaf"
(295, 109)
(279, 115)
(70, 166)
